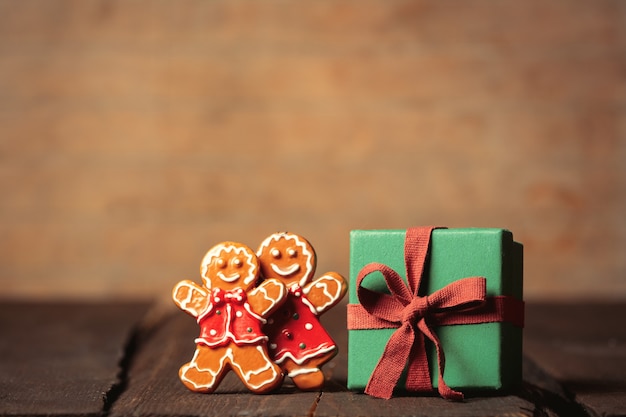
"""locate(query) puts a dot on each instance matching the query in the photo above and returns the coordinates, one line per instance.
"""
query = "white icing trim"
(319, 350)
(263, 289)
(214, 344)
(184, 304)
(301, 371)
(311, 307)
(194, 364)
(286, 271)
(205, 312)
(255, 315)
(320, 283)
(228, 278)
(247, 375)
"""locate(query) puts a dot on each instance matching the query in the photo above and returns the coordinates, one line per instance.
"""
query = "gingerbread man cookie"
(231, 313)
(298, 342)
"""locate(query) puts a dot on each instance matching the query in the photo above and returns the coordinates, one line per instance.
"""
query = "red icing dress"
(229, 319)
(295, 330)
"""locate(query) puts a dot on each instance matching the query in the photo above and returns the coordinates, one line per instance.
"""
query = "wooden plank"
(62, 359)
(583, 347)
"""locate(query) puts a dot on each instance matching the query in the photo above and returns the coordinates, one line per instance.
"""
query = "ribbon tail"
(418, 375)
(444, 390)
(391, 364)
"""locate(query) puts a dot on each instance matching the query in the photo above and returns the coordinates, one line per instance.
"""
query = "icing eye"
(275, 253)
(292, 252)
(237, 262)
(220, 262)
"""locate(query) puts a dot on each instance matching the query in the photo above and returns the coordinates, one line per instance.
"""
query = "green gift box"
(484, 356)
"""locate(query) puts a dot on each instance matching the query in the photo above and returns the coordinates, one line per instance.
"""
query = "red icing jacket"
(230, 319)
(295, 330)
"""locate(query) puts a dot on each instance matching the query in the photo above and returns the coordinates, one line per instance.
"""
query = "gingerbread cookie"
(231, 313)
(298, 342)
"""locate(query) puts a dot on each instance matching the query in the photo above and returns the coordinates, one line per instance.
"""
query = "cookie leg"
(253, 365)
(308, 376)
(206, 369)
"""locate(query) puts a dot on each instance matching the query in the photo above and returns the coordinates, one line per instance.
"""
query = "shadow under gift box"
(478, 357)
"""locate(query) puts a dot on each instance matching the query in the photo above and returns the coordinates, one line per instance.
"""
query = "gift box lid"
(459, 253)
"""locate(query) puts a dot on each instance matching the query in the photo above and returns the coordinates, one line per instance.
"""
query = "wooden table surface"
(120, 359)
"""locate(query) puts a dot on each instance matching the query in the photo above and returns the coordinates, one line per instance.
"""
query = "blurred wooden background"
(136, 134)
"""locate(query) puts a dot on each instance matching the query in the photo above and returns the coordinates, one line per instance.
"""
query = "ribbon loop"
(383, 306)
(463, 294)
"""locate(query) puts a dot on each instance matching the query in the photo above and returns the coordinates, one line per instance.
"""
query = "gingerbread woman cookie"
(231, 313)
(298, 342)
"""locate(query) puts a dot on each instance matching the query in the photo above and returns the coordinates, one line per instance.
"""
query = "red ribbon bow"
(414, 314)
(220, 296)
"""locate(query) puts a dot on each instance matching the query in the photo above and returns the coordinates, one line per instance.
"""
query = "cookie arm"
(326, 291)
(267, 297)
(190, 297)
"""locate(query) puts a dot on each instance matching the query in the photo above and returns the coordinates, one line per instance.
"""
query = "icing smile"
(285, 271)
(228, 278)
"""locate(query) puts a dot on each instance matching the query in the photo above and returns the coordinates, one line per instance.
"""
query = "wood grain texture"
(120, 359)
(62, 359)
(583, 347)
(136, 135)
